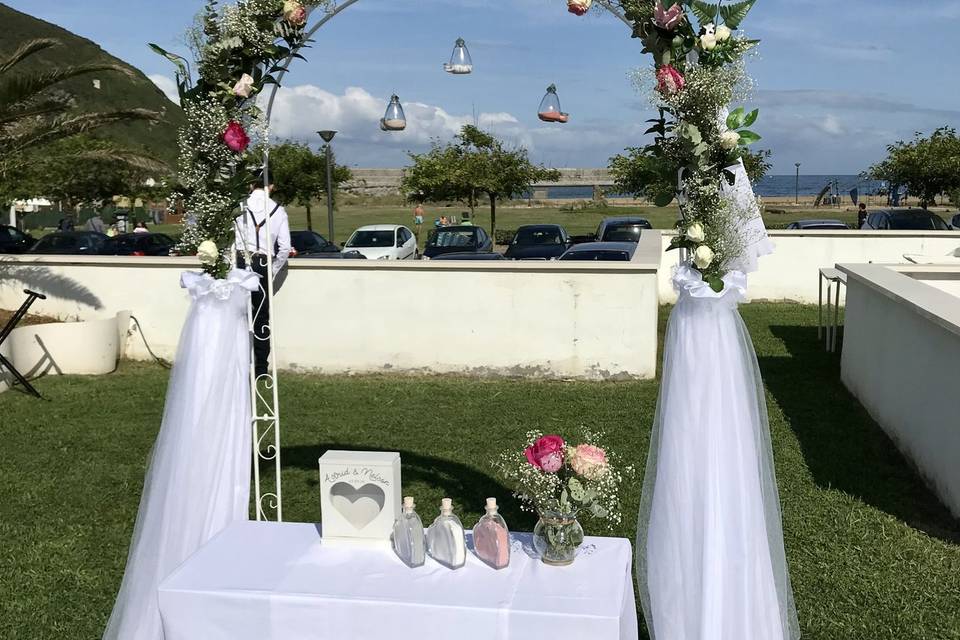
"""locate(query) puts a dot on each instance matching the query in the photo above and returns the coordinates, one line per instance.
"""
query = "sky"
(835, 80)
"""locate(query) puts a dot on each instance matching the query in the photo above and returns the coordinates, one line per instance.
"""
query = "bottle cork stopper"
(446, 505)
(408, 502)
(491, 504)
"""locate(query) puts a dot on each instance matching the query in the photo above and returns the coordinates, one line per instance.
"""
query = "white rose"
(729, 140)
(696, 233)
(244, 86)
(208, 252)
(703, 256)
(708, 42)
(723, 33)
(710, 29)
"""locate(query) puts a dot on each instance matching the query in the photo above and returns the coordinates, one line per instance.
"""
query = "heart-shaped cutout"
(360, 506)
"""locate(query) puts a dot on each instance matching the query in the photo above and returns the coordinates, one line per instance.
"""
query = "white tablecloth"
(268, 581)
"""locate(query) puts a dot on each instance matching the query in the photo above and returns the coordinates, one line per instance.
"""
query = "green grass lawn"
(873, 555)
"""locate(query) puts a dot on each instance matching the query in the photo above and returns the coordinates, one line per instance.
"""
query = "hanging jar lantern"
(550, 107)
(460, 62)
(393, 119)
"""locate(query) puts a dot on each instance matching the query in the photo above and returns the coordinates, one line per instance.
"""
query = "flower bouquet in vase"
(562, 482)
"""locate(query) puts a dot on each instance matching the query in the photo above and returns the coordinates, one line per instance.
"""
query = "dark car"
(601, 251)
(470, 256)
(139, 244)
(955, 222)
(12, 240)
(622, 229)
(310, 244)
(904, 220)
(817, 225)
(538, 242)
(457, 239)
(71, 243)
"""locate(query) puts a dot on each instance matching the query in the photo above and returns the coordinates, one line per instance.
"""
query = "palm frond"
(14, 116)
(64, 127)
(26, 50)
(21, 88)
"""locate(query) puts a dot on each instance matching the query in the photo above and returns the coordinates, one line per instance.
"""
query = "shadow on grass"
(842, 445)
(468, 487)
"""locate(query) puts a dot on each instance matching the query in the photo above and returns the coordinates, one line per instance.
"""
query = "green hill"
(117, 91)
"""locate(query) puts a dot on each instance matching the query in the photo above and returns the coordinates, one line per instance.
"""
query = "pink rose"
(578, 7)
(588, 461)
(236, 138)
(669, 80)
(244, 86)
(546, 453)
(667, 19)
(294, 13)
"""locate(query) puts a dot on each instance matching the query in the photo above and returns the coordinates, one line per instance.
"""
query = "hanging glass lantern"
(393, 119)
(550, 107)
(460, 62)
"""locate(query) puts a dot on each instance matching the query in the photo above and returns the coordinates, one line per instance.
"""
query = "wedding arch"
(250, 45)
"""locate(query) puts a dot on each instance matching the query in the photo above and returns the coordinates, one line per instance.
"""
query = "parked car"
(955, 222)
(383, 242)
(139, 244)
(457, 239)
(904, 220)
(470, 256)
(12, 240)
(310, 244)
(538, 242)
(71, 243)
(817, 224)
(601, 251)
(622, 229)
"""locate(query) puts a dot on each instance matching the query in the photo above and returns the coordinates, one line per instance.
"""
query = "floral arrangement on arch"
(243, 47)
(550, 474)
(698, 72)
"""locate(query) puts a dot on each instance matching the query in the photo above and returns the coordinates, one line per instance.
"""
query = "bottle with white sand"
(408, 540)
(446, 542)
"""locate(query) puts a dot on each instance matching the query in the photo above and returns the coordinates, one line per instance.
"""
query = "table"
(270, 581)
(832, 276)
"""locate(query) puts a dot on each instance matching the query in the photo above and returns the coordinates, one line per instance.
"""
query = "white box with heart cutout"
(359, 494)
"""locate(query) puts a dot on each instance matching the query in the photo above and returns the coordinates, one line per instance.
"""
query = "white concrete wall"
(901, 349)
(791, 272)
(550, 319)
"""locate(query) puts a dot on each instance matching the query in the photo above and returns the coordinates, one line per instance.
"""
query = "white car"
(383, 242)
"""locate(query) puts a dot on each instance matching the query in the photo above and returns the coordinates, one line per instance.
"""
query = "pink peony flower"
(294, 13)
(669, 80)
(244, 86)
(667, 19)
(236, 138)
(546, 453)
(588, 461)
(578, 7)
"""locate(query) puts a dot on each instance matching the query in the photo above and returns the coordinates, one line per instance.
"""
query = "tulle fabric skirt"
(198, 478)
(710, 555)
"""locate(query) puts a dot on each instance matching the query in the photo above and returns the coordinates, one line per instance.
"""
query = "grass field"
(873, 555)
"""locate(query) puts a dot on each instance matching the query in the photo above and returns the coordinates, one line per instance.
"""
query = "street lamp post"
(797, 191)
(328, 138)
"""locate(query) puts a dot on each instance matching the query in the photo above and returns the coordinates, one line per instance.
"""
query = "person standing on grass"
(253, 244)
(418, 219)
(861, 215)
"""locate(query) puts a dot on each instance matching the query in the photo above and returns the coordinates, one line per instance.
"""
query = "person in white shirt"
(252, 241)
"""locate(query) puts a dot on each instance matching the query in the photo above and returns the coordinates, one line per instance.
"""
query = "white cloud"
(167, 85)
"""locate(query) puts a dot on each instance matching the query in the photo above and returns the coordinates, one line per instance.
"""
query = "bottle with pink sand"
(491, 538)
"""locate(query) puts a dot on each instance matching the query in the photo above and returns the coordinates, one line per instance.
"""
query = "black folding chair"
(11, 325)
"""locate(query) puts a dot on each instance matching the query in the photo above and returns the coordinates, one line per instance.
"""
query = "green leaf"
(751, 118)
(736, 118)
(172, 57)
(705, 12)
(715, 283)
(734, 14)
(692, 133)
(748, 137)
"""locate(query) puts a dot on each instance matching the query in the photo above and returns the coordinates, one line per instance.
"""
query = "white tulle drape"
(198, 479)
(710, 556)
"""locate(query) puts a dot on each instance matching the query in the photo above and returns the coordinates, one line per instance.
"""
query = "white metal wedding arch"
(264, 389)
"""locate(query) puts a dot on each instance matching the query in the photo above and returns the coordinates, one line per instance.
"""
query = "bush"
(504, 236)
(955, 197)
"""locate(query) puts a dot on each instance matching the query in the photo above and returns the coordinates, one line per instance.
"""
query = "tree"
(300, 175)
(929, 167)
(641, 173)
(34, 113)
(474, 163)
